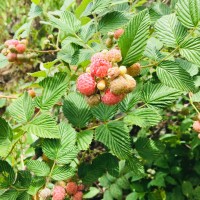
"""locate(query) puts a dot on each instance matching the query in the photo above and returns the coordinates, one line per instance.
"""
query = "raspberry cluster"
(15, 51)
(74, 190)
(105, 80)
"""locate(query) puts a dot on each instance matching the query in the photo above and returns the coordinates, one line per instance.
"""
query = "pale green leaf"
(9, 194)
(3, 61)
(62, 173)
(84, 139)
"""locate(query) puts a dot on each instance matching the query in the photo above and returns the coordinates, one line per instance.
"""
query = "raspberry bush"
(111, 107)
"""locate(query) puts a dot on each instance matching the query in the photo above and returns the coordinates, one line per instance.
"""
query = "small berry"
(196, 126)
(11, 42)
(101, 85)
(11, 57)
(98, 56)
(118, 33)
(134, 70)
(32, 93)
(114, 55)
(78, 196)
(131, 83)
(4, 52)
(86, 84)
(71, 188)
(111, 34)
(20, 48)
(61, 183)
(118, 85)
(111, 99)
(45, 194)
(109, 42)
(199, 136)
(100, 68)
(12, 48)
(88, 70)
(24, 41)
(113, 72)
(123, 70)
(50, 37)
(58, 193)
(93, 100)
(81, 187)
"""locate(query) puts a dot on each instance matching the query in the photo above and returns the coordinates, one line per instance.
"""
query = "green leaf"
(188, 12)
(54, 88)
(196, 97)
(7, 175)
(99, 6)
(82, 7)
(22, 109)
(39, 168)
(103, 112)
(112, 21)
(115, 135)
(159, 180)
(6, 137)
(76, 110)
(187, 188)
(191, 50)
(143, 117)
(24, 196)
(148, 149)
(9, 194)
(38, 74)
(3, 61)
(35, 11)
(93, 191)
(23, 179)
(170, 31)
(87, 31)
(62, 173)
(62, 151)
(84, 139)
(36, 1)
(115, 191)
(172, 75)
(133, 41)
(159, 95)
(43, 126)
(36, 184)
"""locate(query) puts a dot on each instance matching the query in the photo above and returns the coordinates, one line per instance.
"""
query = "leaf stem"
(192, 103)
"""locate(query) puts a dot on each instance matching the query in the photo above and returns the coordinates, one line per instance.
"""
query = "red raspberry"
(78, 196)
(98, 56)
(58, 193)
(100, 68)
(110, 99)
(11, 57)
(86, 84)
(114, 55)
(71, 188)
(196, 126)
(11, 42)
(118, 33)
(81, 187)
(20, 48)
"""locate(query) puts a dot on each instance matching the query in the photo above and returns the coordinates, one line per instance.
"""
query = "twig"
(7, 97)
(44, 51)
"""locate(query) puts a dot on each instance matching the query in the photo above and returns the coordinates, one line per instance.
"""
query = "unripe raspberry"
(118, 33)
(114, 55)
(71, 188)
(111, 99)
(134, 70)
(131, 83)
(109, 42)
(86, 84)
(196, 126)
(45, 194)
(78, 196)
(32, 93)
(100, 68)
(111, 34)
(123, 70)
(101, 85)
(58, 193)
(11, 42)
(20, 48)
(50, 37)
(93, 100)
(4, 52)
(81, 187)
(113, 72)
(118, 85)
(87, 70)
(61, 183)
(11, 57)
(12, 48)
(24, 41)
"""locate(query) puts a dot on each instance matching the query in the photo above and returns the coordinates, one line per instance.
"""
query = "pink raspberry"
(98, 56)
(71, 188)
(58, 193)
(196, 126)
(11, 42)
(78, 196)
(20, 48)
(100, 68)
(114, 55)
(110, 99)
(11, 57)
(86, 84)
(118, 33)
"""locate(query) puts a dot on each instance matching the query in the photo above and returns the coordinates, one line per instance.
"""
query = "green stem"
(49, 177)
(192, 103)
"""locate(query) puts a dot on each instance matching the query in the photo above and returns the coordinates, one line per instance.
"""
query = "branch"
(8, 97)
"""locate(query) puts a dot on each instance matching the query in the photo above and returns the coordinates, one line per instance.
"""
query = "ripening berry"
(32, 93)
(45, 194)
(100, 68)
(11, 57)
(114, 55)
(196, 126)
(123, 70)
(24, 41)
(113, 72)
(111, 34)
(109, 42)
(11, 42)
(4, 52)
(61, 183)
(111, 99)
(81, 187)
(88, 70)
(12, 48)
(93, 100)
(78, 196)
(86, 84)
(118, 33)
(118, 85)
(131, 83)
(98, 56)
(134, 70)
(101, 85)
(58, 193)
(71, 188)
(20, 48)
